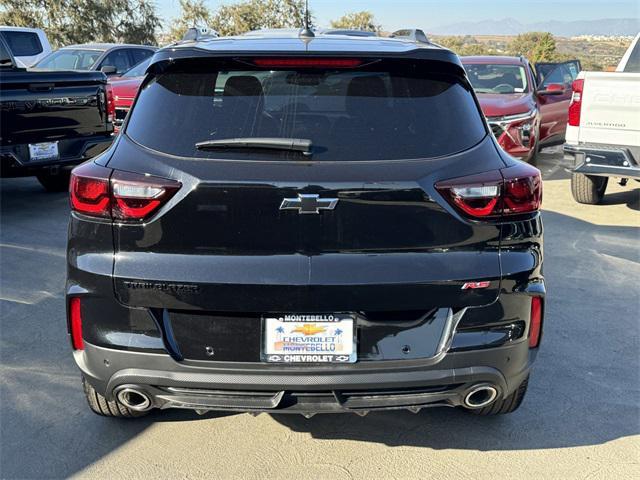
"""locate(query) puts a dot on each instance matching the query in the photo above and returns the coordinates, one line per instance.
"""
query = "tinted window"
(23, 44)
(562, 74)
(70, 59)
(348, 114)
(139, 54)
(5, 56)
(119, 59)
(633, 63)
(139, 69)
(497, 78)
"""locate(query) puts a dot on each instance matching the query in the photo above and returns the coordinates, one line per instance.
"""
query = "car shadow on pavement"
(583, 391)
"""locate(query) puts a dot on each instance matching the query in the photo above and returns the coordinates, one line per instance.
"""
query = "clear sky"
(395, 14)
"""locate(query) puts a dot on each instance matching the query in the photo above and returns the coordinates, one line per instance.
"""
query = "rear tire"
(107, 408)
(55, 182)
(588, 189)
(506, 405)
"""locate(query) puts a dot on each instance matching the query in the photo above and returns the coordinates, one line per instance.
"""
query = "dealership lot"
(580, 419)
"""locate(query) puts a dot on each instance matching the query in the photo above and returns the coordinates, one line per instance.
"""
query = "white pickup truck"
(603, 132)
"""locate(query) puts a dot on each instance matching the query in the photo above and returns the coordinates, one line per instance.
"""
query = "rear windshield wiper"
(288, 144)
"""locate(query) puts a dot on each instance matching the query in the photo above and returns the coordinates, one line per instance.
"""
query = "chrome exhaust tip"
(134, 399)
(480, 396)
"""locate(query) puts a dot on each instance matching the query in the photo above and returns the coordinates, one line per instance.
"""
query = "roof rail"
(414, 34)
(195, 34)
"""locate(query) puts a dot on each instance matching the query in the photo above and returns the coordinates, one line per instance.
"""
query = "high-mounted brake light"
(535, 322)
(297, 62)
(111, 103)
(75, 323)
(510, 191)
(128, 197)
(575, 106)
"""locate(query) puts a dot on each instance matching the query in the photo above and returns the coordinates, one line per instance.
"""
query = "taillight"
(510, 191)
(111, 103)
(75, 323)
(535, 322)
(123, 196)
(298, 62)
(136, 197)
(576, 102)
(89, 190)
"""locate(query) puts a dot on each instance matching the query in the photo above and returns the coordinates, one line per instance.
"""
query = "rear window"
(633, 62)
(356, 114)
(23, 44)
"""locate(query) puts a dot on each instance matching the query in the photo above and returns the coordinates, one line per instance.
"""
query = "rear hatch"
(242, 234)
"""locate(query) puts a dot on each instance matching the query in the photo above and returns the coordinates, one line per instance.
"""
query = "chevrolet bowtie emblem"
(308, 203)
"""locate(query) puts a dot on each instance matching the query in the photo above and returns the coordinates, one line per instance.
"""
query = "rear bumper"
(15, 161)
(602, 160)
(293, 389)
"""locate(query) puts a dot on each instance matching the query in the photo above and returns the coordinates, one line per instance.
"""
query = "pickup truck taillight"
(576, 102)
(98, 191)
(111, 103)
(511, 191)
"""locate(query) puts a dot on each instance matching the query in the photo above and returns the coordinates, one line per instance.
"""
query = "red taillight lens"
(75, 323)
(137, 197)
(510, 191)
(89, 190)
(535, 322)
(111, 103)
(297, 62)
(129, 197)
(576, 102)
(522, 189)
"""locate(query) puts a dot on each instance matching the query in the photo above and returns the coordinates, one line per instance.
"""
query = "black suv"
(305, 224)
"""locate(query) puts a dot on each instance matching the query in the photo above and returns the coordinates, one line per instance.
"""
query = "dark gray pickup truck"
(51, 121)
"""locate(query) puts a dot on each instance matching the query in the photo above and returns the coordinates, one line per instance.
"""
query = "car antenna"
(306, 32)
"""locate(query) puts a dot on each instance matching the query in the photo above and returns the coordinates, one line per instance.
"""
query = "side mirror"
(109, 70)
(552, 89)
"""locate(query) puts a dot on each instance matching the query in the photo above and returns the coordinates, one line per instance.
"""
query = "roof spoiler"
(413, 34)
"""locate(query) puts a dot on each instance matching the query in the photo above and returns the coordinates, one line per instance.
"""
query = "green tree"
(363, 20)
(536, 46)
(238, 18)
(193, 13)
(466, 45)
(79, 21)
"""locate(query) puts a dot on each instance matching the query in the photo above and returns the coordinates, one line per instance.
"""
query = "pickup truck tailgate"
(39, 106)
(610, 104)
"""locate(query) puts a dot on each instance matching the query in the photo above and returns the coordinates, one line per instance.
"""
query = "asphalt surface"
(581, 417)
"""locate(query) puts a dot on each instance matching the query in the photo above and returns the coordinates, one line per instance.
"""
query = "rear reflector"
(535, 322)
(575, 106)
(128, 197)
(510, 191)
(75, 323)
(307, 62)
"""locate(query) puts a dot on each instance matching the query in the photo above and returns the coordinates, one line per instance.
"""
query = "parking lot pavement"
(581, 417)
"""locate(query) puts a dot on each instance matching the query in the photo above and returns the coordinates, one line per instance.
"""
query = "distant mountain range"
(511, 26)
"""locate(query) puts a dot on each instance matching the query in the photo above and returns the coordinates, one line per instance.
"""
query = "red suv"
(526, 109)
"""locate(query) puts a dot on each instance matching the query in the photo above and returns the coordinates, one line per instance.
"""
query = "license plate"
(43, 151)
(303, 338)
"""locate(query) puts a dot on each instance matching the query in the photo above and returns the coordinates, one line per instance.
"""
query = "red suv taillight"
(510, 191)
(111, 103)
(98, 191)
(576, 102)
